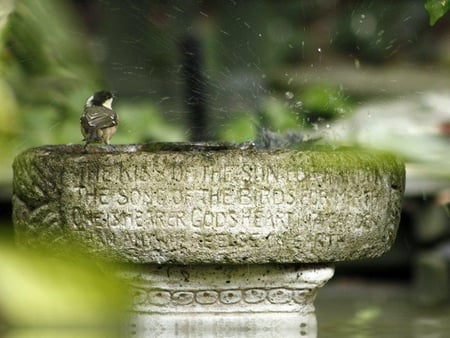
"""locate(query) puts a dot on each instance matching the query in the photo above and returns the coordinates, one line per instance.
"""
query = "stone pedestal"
(263, 300)
(227, 288)
(217, 228)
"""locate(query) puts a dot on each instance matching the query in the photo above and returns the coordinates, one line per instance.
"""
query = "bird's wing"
(99, 117)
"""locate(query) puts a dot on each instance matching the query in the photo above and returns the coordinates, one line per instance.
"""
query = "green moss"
(342, 161)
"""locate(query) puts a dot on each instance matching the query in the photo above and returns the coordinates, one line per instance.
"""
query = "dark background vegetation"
(222, 70)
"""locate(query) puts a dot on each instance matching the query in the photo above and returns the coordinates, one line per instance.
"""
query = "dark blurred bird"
(99, 122)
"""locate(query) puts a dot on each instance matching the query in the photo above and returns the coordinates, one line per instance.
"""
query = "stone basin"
(209, 203)
(212, 227)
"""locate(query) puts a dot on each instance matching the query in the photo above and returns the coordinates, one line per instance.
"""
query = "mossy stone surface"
(208, 203)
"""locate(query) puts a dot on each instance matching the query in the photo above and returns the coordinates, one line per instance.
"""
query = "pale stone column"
(219, 228)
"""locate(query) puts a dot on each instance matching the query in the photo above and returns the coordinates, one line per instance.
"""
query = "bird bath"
(215, 228)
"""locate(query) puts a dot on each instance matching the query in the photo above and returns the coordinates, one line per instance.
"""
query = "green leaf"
(436, 9)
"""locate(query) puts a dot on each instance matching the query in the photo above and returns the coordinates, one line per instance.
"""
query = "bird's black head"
(99, 98)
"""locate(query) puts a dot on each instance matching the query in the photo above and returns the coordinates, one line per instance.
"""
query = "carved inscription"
(208, 173)
(166, 193)
(162, 194)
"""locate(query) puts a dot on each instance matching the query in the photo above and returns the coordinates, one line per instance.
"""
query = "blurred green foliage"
(238, 129)
(325, 102)
(436, 9)
(47, 292)
(315, 104)
(144, 121)
(48, 72)
(279, 115)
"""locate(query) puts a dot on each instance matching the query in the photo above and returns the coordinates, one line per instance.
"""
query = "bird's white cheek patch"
(108, 103)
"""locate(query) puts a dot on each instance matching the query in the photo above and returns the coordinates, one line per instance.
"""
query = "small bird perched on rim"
(99, 122)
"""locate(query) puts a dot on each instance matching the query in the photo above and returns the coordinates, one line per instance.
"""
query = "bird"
(99, 122)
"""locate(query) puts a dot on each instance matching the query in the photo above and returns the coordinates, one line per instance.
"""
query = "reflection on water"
(359, 310)
(284, 325)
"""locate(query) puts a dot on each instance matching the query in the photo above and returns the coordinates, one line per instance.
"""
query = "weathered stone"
(208, 203)
(243, 300)
(227, 288)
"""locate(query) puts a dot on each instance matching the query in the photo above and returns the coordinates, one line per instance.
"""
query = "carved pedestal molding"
(227, 288)
(220, 228)
(264, 300)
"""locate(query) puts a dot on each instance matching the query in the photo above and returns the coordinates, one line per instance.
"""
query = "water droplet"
(289, 95)
(298, 104)
(340, 111)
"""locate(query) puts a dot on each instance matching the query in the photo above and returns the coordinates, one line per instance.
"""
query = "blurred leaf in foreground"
(38, 291)
(436, 9)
